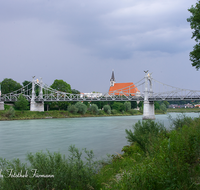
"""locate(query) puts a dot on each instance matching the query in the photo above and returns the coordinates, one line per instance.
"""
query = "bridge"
(150, 90)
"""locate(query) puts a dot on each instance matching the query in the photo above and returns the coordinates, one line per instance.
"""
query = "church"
(125, 89)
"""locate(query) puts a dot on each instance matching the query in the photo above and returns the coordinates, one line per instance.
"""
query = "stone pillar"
(148, 109)
(1, 105)
(37, 106)
(34, 105)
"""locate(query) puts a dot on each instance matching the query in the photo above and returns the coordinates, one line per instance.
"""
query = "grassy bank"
(183, 110)
(156, 159)
(23, 115)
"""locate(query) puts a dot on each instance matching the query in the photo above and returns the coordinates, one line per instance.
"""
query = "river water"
(103, 135)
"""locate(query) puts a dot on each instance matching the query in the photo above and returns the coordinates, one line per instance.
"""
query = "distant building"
(125, 89)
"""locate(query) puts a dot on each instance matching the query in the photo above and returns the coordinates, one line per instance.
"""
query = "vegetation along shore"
(155, 159)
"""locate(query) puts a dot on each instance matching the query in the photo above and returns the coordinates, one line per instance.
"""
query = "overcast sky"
(81, 41)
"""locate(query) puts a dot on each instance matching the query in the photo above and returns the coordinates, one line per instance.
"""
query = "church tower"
(112, 80)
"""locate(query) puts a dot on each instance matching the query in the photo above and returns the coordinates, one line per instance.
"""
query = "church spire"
(112, 80)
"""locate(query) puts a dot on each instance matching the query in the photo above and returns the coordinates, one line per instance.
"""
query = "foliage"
(10, 113)
(82, 108)
(195, 25)
(127, 106)
(171, 163)
(61, 85)
(9, 85)
(144, 133)
(118, 106)
(21, 103)
(113, 111)
(133, 112)
(133, 104)
(157, 106)
(71, 173)
(72, 109)
(180, 121)
(94, 109)
(163, 107)
(107, 109)
(74, 91)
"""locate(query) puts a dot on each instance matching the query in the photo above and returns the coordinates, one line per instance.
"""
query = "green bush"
(163, 108)
(127, 106)
(71, 173)
(94, 109)
(107, 109)
(133, 112)
(145, 134)
(180, 121)
(10, 113)
(113, 111)
(82, 108)
(72, 109)
(21, 103)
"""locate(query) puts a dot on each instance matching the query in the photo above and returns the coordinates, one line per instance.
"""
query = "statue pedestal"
(148, 110)
(37, 106)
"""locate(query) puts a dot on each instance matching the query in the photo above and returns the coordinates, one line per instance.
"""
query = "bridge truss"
(149, 89)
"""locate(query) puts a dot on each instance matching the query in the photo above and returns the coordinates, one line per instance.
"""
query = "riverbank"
(183, 110)
(25, 115)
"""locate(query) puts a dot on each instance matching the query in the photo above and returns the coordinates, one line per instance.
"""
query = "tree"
(107, 109)
(74, 91)
(195, 24)
(118, 106)
(21, 103)
(82, 108)
(9, 85)
(94, 109)
(163, 107)
(61, 85)
(127, 106)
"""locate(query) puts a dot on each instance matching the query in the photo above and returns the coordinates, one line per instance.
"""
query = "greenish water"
(103, 135)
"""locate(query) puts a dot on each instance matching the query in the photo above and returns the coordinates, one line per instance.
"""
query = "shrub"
(145, 134)
(21, 103)
(94, 109)
(107, 109)
(114, 111)
(72, 109)
(133, 112)
(163, 107)
(180, 121)
(127, 106)
(71, 173)
(118, 106)
(82, 108)
(10, 113)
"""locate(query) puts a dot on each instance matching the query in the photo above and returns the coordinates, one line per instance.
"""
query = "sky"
(82, 41)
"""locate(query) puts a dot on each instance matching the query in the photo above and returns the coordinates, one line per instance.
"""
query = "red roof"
(123, 89)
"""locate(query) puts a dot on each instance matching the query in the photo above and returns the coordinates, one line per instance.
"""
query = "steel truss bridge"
(148, 89)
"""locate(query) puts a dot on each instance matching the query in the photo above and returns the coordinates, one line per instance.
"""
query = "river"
(103, 135)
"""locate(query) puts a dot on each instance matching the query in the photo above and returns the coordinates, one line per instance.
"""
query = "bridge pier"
(36, 106)
(148, 110)
(1, 105)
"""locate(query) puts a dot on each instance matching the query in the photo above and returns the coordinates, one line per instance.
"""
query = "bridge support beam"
(148, 110)
(36, 106)
(1, 105)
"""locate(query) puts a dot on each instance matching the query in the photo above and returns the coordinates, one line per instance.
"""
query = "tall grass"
(71, 173)
(157, 159)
